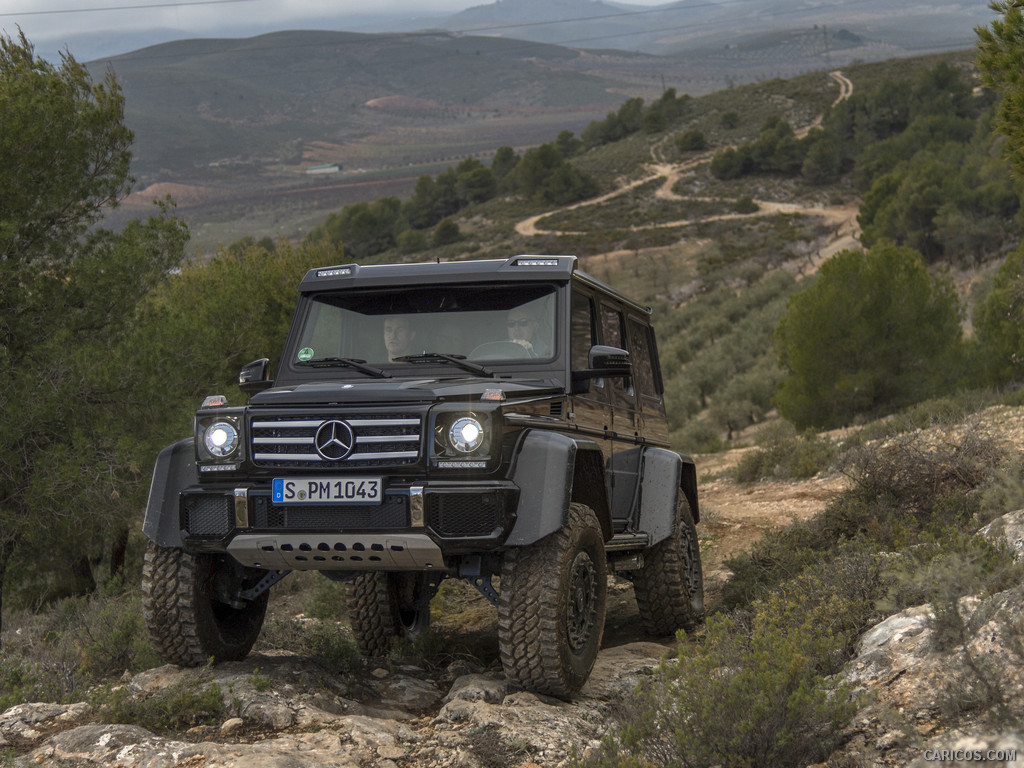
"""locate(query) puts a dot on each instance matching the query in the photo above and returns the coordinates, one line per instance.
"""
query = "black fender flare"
(174, 471)
(551, 470)
(665, 475)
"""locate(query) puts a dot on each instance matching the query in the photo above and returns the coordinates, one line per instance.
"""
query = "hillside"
(689, 25)
(255, 104)
(864, 569)
(445, 702)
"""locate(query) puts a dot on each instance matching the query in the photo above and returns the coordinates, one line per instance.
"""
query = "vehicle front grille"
(288, 441)
(391, 513)
(463, 514)
(208, 514)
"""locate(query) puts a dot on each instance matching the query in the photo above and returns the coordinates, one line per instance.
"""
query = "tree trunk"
(117, 553)
(6, 550)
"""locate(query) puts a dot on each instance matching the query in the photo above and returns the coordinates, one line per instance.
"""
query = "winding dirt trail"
(841, 220)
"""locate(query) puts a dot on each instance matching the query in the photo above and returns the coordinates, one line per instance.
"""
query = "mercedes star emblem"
(334, 440)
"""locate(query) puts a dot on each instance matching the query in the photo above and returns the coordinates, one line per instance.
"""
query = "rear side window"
(641, 343)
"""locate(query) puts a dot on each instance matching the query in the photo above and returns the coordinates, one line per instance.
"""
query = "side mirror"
(611, 361)
(603, 362)
(255, 376)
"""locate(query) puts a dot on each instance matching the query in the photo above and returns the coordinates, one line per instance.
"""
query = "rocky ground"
(283, 710)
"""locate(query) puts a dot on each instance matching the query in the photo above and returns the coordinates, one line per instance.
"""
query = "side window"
(613, 335)
(640, 348)
(611, 327)
(582, 330)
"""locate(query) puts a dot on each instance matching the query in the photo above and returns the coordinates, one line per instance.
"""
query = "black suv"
(469, 419)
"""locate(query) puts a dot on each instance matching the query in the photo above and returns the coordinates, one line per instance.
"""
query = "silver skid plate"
(338, 552)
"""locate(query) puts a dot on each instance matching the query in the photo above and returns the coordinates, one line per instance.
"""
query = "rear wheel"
(183, 602)
(551, 608)
(384, 607)
(670, 587)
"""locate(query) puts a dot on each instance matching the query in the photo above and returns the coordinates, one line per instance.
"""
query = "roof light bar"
(334, 272)
(533, 262)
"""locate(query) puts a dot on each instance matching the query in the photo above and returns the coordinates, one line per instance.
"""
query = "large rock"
(917, 680)
(282, 711)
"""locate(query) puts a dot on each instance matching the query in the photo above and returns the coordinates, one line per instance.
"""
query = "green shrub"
(175, 709)
(22, 681)
(57, 655)
(327, 600)
(745, 204)
(326, 641)
(691, 141)
(412, 241)
(730, 119)
(753, 692)
(782, 455)
(1001, 492)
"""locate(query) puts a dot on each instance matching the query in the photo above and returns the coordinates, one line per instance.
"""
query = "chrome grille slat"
(287, 441)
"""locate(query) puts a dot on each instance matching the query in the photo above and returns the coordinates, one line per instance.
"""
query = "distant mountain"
(583, 23)
(92, 46)
(198, 106)
(690, 25)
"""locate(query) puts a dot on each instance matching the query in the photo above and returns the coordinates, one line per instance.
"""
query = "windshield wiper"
(345, 362)
(459, 360)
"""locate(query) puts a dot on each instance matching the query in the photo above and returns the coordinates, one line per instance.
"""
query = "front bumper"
(413, 527)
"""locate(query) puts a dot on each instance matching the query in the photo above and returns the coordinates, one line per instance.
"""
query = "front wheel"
(670, 587)
(551, 608)
(188, 622)
(384, 607)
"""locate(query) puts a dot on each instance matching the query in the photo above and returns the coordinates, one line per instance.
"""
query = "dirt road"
(842, 219)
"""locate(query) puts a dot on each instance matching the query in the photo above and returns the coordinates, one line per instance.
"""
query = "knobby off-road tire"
(551, 608)
(670, 587)
(187, 625)
(384, 607)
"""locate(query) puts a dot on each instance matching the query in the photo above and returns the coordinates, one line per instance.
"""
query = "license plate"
(327, 490)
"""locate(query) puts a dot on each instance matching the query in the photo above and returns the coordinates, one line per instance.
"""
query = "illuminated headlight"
(220, 439)
(466, 434)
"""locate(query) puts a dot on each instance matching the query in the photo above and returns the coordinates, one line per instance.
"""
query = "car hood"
(382, 392)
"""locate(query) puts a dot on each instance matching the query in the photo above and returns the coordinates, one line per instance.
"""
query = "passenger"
(398, 337)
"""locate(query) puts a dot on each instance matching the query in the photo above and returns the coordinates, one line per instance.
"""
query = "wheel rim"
(582, 600)
(691, 573)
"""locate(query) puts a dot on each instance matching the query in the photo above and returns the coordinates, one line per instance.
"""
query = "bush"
(784, 456)
(57, 655)
(445, 233)
(412, 241)
(327, 600)
(745, 204)
(691, 141)
(175, 709)
(874, 333)
(325, 641)
(753, 692)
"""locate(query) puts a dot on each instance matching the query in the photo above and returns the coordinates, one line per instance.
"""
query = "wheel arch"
(665, 476)
(553, 470)
(175, 470)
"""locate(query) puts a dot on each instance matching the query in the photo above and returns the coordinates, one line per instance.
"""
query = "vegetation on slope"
(720, 287)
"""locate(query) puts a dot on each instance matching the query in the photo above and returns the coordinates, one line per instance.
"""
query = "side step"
(621, 542)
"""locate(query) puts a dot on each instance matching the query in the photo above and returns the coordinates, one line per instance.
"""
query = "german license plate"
(327, 490)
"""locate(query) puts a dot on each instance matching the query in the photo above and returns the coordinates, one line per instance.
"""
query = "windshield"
(427, 325)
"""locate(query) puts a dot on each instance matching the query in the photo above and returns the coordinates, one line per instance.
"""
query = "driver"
(523, 327)
(398, 337)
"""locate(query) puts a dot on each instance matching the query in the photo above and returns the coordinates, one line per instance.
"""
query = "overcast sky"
(46, 19)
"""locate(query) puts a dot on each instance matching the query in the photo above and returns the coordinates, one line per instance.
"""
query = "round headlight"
(221, 439)
(466, 434)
